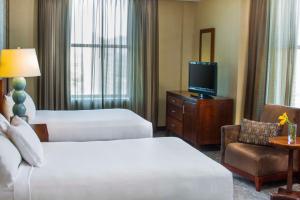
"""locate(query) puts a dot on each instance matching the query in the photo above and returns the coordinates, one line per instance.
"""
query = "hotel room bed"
(93, 125)
(84, 125)
(139, 169)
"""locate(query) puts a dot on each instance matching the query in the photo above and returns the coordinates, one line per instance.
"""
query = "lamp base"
(19, 96)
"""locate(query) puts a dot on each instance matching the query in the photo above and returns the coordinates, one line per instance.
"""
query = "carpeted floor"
(243, 189)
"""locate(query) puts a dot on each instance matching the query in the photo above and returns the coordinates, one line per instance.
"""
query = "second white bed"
(93, 125)
(141, 169)
(84, 125)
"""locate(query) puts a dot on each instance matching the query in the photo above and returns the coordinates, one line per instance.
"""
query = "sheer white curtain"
(113, 59)
(98, 68)
(296, 84)
(282, 52)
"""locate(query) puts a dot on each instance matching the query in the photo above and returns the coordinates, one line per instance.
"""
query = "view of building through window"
(99, 49)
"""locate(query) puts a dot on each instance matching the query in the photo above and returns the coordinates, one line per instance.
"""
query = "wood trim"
(1, 95)
(3, 91)
(212, 44)
(258, 180)
(239, 172)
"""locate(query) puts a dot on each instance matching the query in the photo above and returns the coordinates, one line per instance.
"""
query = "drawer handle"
(173, 111)
(173, 100)
(172, 125)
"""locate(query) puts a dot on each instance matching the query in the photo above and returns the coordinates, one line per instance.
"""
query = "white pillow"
(4, 124)
(8, 104)
(10, 160)
(26, 141)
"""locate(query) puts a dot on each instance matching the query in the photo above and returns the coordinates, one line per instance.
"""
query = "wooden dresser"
(195, 120)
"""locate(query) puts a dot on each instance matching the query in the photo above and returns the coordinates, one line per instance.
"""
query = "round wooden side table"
(288, 193)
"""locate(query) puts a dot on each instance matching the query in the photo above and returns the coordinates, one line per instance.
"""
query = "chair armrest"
(229, 134)
(42, 131)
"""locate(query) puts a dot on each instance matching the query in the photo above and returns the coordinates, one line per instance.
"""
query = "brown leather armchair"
(258, 163)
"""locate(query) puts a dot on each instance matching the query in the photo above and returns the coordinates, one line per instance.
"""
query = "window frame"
(86, 97)
(114, 46)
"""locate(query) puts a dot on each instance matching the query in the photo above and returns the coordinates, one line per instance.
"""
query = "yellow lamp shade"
(19, 63)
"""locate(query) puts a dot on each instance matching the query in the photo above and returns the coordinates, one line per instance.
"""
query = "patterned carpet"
(243, 189)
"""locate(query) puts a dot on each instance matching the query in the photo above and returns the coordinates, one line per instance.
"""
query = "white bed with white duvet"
(84, 125)
(139, 169)
(93, 125)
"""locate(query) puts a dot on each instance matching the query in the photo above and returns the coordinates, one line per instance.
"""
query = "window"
(296, 84)
(98, 55)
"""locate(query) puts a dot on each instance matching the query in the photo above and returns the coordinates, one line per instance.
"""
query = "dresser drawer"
(174, 126)
(175, 101)
(175, 112)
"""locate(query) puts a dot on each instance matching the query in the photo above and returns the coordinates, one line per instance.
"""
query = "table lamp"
(17, 64)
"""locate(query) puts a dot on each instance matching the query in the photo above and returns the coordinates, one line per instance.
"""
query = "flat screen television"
(203, 78)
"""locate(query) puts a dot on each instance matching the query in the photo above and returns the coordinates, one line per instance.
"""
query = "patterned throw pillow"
(254, 132)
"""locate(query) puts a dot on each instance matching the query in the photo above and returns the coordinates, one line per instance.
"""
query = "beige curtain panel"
(53, 54)
(257, 59)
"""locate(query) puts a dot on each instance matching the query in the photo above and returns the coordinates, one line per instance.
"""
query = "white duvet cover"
(93, 125)
(141, 169)
(6, 193)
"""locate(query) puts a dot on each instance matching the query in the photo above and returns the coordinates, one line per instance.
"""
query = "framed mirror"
(207, 45)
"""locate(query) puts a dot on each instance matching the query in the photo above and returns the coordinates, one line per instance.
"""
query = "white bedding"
(93, 125)
(141, 169)
(6, 193)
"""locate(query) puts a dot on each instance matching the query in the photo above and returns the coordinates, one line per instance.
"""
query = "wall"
(230, 18)
(176, 46)
(23, 32)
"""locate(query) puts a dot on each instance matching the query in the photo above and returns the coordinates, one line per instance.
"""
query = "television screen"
(203, 77)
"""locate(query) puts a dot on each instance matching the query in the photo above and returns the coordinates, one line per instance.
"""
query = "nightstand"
(42, 131)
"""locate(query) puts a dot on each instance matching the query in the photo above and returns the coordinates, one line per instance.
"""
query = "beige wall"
(230, 19)
(23, 31)
(176, 46)
(179, 28)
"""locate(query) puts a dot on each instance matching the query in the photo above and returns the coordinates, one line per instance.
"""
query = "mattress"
(93, 125)
(138, 169)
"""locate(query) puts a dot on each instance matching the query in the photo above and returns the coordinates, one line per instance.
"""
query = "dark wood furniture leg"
(289, 187)
(288, 193)
(3, 91)
(258, 183)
